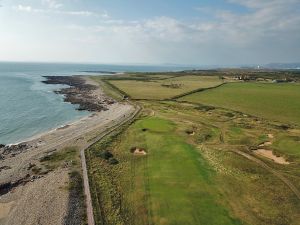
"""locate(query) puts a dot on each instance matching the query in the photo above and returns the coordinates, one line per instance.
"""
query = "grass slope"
(278, 102)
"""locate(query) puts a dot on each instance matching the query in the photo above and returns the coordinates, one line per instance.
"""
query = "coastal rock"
(79, 93)
(13, 150)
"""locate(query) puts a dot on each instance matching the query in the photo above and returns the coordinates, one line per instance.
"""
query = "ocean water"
(29, 107)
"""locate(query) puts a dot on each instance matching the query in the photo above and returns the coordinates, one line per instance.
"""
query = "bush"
(205, 108)
(105, 155)
(229, 114)
(113, 161)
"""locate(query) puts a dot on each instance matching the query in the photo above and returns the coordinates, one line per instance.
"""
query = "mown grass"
(289, 145)
(172, 184)
(157, 88)
(279, 102)
(253, 193)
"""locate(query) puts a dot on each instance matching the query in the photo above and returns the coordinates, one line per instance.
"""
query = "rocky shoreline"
(80, 93)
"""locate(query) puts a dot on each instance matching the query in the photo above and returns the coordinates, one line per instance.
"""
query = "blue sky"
(215, 32)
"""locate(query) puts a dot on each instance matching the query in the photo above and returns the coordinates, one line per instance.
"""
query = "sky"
(187, 32)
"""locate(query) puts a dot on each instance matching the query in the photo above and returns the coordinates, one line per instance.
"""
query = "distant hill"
(282, 66)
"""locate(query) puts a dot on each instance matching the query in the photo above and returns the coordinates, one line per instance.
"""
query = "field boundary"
(106, 81)
(194, 91)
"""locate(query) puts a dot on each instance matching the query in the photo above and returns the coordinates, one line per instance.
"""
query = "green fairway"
(279, 102)
(172, 184)
(166, 88)
(180, 183)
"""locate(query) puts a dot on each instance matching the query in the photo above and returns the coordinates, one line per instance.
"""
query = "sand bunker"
(269, 154)
(191, 133)
(268, 143)
(5, 209)
(138, 151)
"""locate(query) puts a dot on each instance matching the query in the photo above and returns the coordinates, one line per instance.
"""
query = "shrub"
(105, 155)
(113, 161)
(229, 114)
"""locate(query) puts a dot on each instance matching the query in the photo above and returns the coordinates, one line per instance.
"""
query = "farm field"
(278, 102)
(164, 88)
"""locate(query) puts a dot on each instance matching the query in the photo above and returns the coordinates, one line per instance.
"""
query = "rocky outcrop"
(80, 93)
(13, 150)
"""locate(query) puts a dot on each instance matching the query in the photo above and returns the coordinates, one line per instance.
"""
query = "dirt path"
(88, 198)
(271, 170)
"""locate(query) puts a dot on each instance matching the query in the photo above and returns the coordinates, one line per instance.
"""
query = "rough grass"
(60, 158)
(154, 89)
(279, 102)
(289, 145)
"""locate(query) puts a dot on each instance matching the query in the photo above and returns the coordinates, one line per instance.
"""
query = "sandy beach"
(29, 199)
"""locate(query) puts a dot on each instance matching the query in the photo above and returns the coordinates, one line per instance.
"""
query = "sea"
(29, 107)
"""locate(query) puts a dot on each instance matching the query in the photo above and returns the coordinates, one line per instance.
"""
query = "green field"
(279, 102)
(162, 89)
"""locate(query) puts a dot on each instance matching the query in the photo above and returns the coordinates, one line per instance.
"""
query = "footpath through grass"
(279, 102)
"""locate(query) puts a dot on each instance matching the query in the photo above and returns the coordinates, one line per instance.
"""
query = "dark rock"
(79, 93)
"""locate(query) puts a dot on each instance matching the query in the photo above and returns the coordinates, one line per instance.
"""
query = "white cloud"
(76, 13)
(52, 4)
(24, 8)
(267, 31)
(53, 9)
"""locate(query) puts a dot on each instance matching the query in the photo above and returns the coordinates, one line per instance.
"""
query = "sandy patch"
(5, 209)
(191, 133)
(270, 136)
(138, 151)
(269, 154)
(268, 143)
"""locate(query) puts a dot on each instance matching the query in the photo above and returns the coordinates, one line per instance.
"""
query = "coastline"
(20, 184)
(81, 85)
(50, 130)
